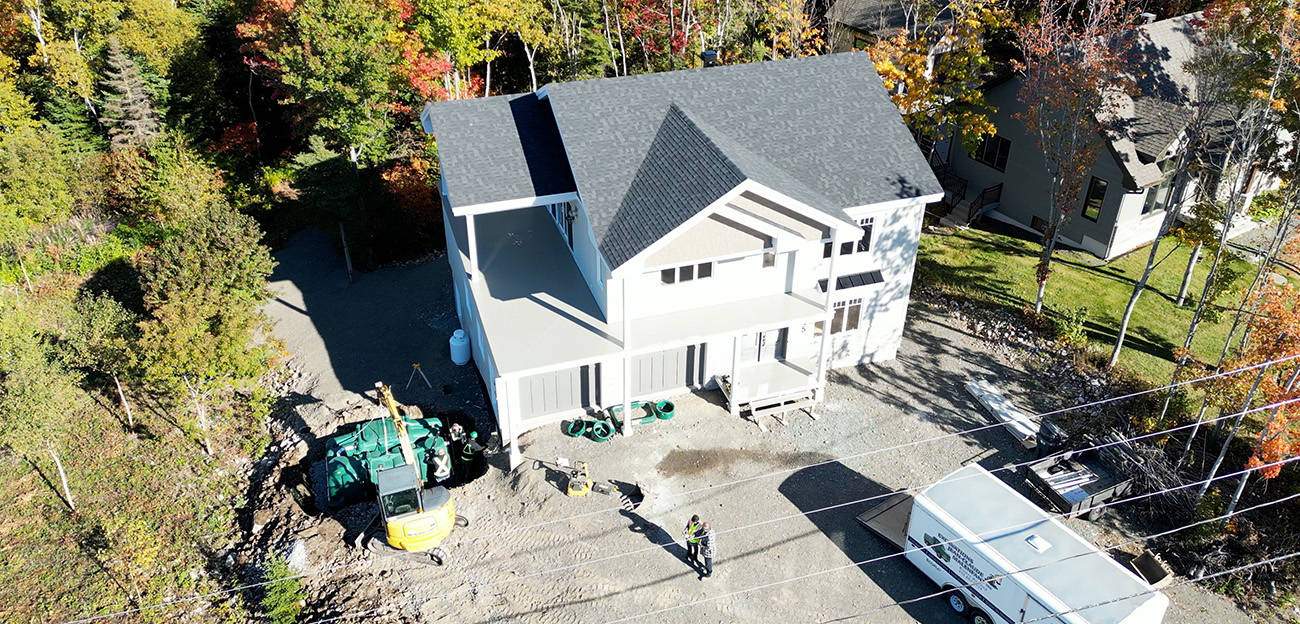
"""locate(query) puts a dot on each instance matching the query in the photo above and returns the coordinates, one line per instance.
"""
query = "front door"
(770, 345)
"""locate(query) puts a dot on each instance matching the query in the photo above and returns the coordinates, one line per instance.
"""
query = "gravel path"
(572, 571)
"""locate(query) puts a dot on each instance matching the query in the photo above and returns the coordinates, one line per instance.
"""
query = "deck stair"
(778, 406)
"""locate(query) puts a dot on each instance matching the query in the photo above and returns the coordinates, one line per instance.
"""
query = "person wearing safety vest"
(693, 540)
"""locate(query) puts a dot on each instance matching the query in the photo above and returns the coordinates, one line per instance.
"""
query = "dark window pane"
(826, 251)
(846, 248)
(668, 276)
(851, 321)
(687, 273)
(705, 270)
(865, 243)
(1093, 201)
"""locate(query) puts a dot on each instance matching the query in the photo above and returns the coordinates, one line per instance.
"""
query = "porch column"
(473, 246)
(823, 352)
(627, 363)
(507, 391)
(734, 404)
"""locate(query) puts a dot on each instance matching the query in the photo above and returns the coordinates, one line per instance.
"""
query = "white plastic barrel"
(459, 347)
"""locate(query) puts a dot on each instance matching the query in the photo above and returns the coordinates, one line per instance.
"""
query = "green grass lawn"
(998, 268)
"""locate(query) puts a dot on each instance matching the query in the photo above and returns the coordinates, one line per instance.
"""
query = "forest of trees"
(153, 152)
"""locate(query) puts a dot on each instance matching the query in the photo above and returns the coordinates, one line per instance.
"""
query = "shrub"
(1071, 327)
(283, 600)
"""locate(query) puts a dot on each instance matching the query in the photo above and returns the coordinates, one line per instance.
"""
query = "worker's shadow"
(656, 535)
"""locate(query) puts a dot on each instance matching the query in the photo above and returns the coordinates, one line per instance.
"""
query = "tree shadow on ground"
(814, 488)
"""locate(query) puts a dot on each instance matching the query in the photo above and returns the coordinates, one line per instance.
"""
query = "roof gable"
(820, 130)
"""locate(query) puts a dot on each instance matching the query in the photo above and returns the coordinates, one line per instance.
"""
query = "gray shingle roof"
(820, 129)
(877, 17)
(499, 148)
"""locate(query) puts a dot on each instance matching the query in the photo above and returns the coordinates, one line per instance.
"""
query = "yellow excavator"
(416, 519)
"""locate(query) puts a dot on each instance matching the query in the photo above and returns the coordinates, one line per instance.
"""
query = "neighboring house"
(1123, 199)
(857, 24)
(699, 224)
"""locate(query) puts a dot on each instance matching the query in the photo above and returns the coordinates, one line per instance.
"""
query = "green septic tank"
(353, 457)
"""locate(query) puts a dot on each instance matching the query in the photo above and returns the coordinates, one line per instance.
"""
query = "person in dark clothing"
(707, 549)
(693, 540)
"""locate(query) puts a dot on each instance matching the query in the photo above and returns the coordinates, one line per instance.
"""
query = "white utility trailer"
(1005, 560)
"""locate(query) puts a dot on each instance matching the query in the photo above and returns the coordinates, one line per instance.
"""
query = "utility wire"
(477, 587)
(911, 550)
(1198, 579)
(1074, 556)
(1038, 417)
(658, 545)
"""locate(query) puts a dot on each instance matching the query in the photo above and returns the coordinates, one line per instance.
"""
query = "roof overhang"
(720, 207)
(513, 204)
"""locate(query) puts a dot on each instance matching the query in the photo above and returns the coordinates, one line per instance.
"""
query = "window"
(1158, 196)
(846, 248)
(861, 43)
(1038, 224)
(993, 151)
(848, 314)
(769, 259)
(564, 215)
(826, 251)
(864, 244)
(686, 273)
(1093, 200)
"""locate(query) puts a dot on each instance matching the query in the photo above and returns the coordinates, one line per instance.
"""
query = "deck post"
(823, 352)
(627, 363)
(734, 403)
(472, 241)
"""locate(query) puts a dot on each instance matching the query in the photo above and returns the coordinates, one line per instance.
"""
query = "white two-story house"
(640, 237)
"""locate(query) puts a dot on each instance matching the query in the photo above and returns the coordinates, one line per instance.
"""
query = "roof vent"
(1037, 543)
(710, 58)
(1147, 18)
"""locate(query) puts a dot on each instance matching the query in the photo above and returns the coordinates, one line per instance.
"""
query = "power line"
(658, 545)
(910, 550)
(1083, 554)
(1198, 579)
(474, 538)
(807, 513)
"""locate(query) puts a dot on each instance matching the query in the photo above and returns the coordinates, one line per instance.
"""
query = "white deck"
(770, 379)
(538, 313)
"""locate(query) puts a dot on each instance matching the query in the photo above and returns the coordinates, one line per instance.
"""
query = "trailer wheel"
(978, 617)
(958, 602)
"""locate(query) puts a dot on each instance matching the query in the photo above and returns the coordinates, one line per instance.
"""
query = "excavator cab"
(415, 519)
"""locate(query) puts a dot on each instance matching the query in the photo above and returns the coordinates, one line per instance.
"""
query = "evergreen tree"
(128, 110)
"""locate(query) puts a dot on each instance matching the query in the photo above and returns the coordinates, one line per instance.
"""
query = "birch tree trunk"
(1171, 216)
(1187, 275)
(1236, 424)
(63, 478)
(1045, 260)
(1264, 437)
(126, 407)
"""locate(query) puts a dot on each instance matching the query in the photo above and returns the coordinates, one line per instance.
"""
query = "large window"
(848, 314)
(864, 243)
(1093, 200)
(859, 246)
(993, 151)
(686, 273)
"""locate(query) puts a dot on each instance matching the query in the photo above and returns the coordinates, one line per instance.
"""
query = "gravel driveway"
(576, 570)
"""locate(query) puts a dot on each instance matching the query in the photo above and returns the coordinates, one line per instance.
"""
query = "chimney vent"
(710, 58)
